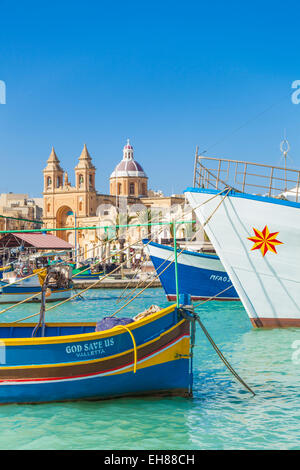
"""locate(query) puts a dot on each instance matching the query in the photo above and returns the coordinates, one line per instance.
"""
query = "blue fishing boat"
(71, 361)
(15, 286)
(201, 275)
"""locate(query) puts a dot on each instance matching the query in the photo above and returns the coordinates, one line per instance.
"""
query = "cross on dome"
(128, 151)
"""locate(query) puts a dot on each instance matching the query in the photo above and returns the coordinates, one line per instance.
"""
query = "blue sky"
(169, 75)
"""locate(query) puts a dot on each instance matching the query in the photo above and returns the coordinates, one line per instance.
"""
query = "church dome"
(128, 167)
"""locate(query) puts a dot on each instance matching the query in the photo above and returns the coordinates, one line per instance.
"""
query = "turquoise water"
(221, 415)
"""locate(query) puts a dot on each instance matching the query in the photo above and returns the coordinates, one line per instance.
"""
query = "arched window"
(131, 188)
(80, 205)
(48, 207)
(119, 188)
(49, 181)
(58, 182)
(80, 180)
(91, 180)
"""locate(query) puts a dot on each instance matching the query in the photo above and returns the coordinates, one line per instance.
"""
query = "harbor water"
(221, 414)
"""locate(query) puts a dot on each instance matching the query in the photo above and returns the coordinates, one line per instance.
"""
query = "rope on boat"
(214, 211)
(161, 264)
(21, 302)
(190, 315)
(118, 267)
(134, 345)
(77, 294)
(122, 297)
(213, 297)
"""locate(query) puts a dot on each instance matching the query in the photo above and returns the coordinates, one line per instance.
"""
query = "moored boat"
(16, 287)
(201, 275)
(150, 356)
(255, 236)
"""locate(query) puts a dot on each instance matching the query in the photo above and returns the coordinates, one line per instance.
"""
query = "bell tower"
(53, 184)
(85, 172)
(85, 184)
(53, 174)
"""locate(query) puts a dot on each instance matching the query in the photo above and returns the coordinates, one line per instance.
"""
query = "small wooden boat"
(71, 361)
(14, 288)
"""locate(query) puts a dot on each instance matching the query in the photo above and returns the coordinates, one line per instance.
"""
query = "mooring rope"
(118, 267)
(77, 294)
(194, 317)
(121, 297)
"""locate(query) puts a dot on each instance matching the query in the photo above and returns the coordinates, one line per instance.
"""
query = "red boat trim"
(50, 379)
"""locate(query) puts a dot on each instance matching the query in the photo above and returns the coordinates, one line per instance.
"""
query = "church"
(67, 206)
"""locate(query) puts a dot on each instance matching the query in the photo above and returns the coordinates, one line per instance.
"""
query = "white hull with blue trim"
(257, 240)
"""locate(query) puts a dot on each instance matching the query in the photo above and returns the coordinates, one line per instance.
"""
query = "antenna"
(284, 148)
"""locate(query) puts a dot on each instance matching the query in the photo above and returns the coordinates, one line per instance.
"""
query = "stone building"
(19, 212)
(81, 205)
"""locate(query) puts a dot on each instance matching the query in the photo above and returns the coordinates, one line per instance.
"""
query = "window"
(48, 207)
(80, 180)
(119, 188)
(131, 188)
(58, 182)
(49, 182)
(80, 205)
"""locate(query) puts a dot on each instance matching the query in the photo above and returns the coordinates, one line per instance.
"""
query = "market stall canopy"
(40, 241)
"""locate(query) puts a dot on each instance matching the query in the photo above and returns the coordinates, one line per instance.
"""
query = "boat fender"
(110, 322)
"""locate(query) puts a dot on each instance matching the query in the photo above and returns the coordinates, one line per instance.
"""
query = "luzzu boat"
(14, 288)
(87, 275)
(150, 356)
(201, 275)
(255, 236)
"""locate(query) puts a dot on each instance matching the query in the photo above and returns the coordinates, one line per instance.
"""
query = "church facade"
(81, 205)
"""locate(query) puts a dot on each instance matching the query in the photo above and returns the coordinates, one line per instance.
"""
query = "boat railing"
(247, 177)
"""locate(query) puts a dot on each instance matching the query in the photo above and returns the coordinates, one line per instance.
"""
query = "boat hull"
(17, 295)
(89, 277)
(268, 282)
(89, 365)
(200, 275)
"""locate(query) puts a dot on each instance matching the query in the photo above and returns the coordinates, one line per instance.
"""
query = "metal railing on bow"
(247, 177)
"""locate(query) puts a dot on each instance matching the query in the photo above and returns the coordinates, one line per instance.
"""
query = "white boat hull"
(269, 284)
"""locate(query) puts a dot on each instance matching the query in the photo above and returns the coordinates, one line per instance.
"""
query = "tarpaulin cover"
(109, 322)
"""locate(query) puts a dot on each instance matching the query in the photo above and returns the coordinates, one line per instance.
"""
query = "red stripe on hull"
(275, 322)
(47, 379)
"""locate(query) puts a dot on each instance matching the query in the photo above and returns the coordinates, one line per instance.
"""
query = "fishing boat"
(92, 271)
(49, 362)
(255, 229)
(4, 269)
(23, 283)
(201, 275)
(87, 273)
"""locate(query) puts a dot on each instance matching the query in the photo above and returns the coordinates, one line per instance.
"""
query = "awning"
(40, 241)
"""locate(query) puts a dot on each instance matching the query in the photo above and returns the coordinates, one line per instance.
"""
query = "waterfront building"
(16, 210)
(81, 205)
